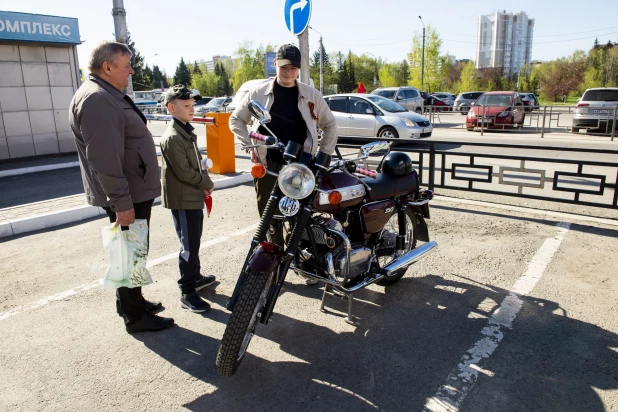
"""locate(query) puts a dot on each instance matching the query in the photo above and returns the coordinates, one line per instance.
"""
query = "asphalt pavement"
(515, 311)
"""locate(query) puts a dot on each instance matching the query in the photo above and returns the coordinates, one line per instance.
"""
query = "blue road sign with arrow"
(297, 14)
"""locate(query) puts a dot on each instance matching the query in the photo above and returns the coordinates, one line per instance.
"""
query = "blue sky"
(383, 28)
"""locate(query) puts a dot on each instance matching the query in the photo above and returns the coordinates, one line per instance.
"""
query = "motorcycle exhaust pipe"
(410, 257)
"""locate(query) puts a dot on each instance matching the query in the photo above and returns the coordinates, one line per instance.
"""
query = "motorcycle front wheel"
(387, 238)
(243, 320)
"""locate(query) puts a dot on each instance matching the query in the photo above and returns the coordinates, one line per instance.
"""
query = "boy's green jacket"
(183, 179)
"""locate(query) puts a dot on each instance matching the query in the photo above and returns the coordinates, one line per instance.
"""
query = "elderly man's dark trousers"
(129, 301)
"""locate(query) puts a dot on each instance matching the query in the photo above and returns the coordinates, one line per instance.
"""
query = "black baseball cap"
(288, 54)
(180, 91)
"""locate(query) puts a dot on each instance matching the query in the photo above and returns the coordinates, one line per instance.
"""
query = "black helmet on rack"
(397, 164)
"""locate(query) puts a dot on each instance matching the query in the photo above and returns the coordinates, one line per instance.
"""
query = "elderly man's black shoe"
(149, 323)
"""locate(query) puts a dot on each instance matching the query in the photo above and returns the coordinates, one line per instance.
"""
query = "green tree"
(433, 61)
(159, 79)
(389, 76)
(206, 82)
(182, 75)
(249, 63)
(402, 73)
(196, 69)
(468, 80)
(224, 88)
(140, 79)
(329, 75)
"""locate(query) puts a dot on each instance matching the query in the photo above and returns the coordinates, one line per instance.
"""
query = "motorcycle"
(344, 225)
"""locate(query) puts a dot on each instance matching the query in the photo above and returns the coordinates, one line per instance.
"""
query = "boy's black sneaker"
(149, 323)
(204, 281)
(194, 303)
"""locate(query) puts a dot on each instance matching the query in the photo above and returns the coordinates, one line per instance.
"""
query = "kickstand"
(351, 319)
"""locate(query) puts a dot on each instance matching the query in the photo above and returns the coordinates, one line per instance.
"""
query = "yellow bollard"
(220, 144)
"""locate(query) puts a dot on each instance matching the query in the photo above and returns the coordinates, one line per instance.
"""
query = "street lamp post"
(423, 57)
(321, 61)
(375, 69)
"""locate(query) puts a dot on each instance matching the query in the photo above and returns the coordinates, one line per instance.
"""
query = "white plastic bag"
(128, 250)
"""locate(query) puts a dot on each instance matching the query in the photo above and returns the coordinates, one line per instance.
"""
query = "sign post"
(297, 15)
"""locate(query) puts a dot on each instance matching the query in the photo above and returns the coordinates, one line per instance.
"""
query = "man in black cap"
(297, 111)
(185, 184)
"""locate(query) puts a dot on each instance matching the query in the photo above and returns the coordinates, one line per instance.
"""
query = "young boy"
(185, 183)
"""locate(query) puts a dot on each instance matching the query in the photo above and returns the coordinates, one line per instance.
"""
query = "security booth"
(39, 73)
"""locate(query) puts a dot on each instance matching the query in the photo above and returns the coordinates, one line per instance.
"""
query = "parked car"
(496, 110)
(425, 96)
(408, 97)
(437, 105)
(595, 109)
(447, 97)
(371, 115)
(216, 105)
(530, 102)
(464, 101)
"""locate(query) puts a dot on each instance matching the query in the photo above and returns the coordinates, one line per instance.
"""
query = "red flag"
(361, 88)
(208, 202)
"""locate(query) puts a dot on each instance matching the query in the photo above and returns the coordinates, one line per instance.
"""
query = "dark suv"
(464, 101)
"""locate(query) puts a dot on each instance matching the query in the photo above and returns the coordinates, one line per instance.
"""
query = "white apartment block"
(504, 40)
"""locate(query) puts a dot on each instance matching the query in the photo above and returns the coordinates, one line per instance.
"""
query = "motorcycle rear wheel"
(392, 226)
(243, 320)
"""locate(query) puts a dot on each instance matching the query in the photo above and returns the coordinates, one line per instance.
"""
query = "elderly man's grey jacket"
(311, 105)
(116, 152)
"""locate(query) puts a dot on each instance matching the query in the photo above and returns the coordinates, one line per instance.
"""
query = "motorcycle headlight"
(407, 122)
(296, 181)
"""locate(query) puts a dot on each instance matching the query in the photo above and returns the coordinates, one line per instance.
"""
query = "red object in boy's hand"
(208, 202)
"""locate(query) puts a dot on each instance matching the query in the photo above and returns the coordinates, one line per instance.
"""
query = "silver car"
(464, 101)
(216, 105)
(408, 97)
(447, 97)
(370, 115)
(595, 109)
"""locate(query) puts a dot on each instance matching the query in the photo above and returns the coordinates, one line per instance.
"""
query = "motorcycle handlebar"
(366, 172)
(269, 140)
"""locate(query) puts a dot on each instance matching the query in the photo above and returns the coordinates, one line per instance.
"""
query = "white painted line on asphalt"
(463, 377)
(99, 282)
(547, 213)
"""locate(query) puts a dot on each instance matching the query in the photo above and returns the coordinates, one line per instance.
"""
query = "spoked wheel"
(387, 241)
(243, 320)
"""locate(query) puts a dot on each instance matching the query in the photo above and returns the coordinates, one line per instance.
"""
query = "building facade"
(504, 41)
(39, 73)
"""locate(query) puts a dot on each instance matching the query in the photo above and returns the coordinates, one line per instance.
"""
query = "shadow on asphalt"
(409, 339)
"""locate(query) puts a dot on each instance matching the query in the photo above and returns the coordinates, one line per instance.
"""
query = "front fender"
(267, 256)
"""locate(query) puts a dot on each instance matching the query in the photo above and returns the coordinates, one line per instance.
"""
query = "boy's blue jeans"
(188, 224)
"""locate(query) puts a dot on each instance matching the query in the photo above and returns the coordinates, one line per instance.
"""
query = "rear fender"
(422, 231)
(267, 256)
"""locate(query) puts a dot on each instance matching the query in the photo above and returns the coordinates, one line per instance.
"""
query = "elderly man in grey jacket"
(297, 111)
(118, 161)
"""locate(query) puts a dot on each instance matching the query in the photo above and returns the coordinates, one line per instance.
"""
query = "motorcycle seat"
(386, 186)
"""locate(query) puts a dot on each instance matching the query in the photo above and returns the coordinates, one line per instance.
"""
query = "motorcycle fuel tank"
(353, 192)
(375, 215)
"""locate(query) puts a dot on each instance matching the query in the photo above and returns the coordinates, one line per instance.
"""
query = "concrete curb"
(55, 166)
(35, 169)
(76, 214)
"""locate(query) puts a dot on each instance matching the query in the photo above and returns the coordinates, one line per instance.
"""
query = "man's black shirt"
(287, 122)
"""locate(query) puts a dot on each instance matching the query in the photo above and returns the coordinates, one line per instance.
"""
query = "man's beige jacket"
(311, 105)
